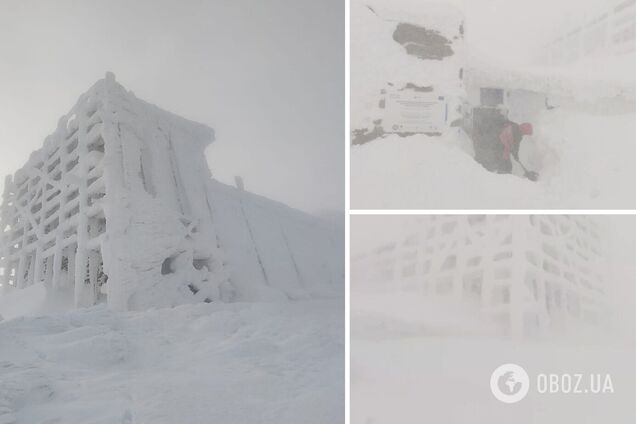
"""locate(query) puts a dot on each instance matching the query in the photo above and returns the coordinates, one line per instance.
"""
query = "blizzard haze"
(419, 357)
(618, 241)
(267, 76)
(515, 31)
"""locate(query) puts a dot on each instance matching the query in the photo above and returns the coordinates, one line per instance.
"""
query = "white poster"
(415, 112)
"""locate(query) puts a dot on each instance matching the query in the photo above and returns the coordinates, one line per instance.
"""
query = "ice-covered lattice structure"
(532, 275)
(119, 206)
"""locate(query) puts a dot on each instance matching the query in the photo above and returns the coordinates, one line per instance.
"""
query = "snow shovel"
(531, 175)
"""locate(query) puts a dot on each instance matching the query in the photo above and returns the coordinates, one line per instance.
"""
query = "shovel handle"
(519, 162)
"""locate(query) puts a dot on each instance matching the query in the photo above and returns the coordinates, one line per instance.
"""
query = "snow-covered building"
(532, 275)
(119, 206)
(608, 32)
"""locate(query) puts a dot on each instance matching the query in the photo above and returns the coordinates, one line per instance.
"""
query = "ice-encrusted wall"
(119, 204)
(275, 252)
(531, 274)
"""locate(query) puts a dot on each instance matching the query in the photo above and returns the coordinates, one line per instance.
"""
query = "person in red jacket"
(510, 137)
(496, 139)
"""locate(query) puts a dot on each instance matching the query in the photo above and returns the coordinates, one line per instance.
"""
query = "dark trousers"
(493, 160)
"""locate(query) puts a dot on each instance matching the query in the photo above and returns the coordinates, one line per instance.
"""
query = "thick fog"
(515, 31)
(267, 76)
(618, 244)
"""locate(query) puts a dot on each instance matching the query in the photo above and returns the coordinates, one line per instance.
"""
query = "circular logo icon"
(509, 383)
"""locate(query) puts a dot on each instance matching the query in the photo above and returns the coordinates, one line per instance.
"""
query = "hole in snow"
(200, 263)
(97, 145)
(208, 300)
(72, 145)
(166, 266)
(194, 289)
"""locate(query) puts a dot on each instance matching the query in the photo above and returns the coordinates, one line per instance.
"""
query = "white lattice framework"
(119, 204)
(532, 274)
(53, 213)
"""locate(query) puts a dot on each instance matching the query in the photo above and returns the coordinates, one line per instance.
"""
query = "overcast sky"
(268, 76)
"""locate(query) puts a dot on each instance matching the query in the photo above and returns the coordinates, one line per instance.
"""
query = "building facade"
(119, 206)
(609, 32)
(532, 275)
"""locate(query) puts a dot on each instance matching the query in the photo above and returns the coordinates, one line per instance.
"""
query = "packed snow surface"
(584, 160)
(410, 366)
(206, 363)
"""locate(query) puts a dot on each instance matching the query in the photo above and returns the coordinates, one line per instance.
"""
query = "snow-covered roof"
(599, 77)
(108, 91)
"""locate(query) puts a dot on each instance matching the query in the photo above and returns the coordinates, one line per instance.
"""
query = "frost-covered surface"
(119, 204)
(378, 59)
(117, 189)
(529, 276)
(228, 363)
(275, 252)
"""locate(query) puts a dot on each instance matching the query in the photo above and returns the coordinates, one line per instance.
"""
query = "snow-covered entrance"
(531, 274)
(120, 204)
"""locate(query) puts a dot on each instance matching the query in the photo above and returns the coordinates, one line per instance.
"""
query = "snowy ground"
(418, 365)
(584, 160)
(221, 363)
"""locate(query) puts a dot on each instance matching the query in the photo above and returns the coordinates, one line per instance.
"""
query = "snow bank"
(22, 302)
(584, 159)
(589, 161)
(226, 363)
(422, 172)
(394, 313)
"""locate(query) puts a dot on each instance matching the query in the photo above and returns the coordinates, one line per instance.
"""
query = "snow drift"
(227, 363)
